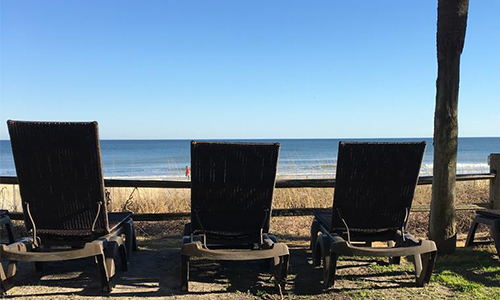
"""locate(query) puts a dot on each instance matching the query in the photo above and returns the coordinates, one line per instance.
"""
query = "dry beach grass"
(159, 200)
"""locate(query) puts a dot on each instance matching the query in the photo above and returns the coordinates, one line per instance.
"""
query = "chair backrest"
(58, 167)
(232, 186)
(375, 184)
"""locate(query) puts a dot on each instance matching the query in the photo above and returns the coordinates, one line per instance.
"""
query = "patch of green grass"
(261, 294)
(471, 273)
(390, 267)
(365, 294)
(457, 282)
(490, 273)
(467, 258)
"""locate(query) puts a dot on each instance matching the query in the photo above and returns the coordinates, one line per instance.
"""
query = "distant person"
(188, 173)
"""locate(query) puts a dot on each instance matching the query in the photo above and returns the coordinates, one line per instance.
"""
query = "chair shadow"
(251, 277)
(308, 279)
(145, 277)
(154, 272)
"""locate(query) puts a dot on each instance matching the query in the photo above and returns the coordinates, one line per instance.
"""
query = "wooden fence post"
(494, 160)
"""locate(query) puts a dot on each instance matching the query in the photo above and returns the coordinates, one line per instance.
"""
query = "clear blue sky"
(242, 69)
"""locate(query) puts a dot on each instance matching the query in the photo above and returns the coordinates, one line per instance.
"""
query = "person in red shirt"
(188, 173)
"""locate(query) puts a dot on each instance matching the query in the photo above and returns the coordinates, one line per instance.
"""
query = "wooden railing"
(494, 160)
(280, 184)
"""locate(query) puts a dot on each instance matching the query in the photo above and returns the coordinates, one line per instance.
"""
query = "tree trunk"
(451, 25)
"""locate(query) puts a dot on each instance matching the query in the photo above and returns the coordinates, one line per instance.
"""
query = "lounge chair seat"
(58, 167)
(374, 189)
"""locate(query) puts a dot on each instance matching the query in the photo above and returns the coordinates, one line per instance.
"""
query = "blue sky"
(242, 69)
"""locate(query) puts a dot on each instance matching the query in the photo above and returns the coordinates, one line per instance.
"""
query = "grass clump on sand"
(470, 273)
(457, 282)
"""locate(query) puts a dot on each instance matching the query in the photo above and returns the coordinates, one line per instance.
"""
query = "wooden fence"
(494, 161)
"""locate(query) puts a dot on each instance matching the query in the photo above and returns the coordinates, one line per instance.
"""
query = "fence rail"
(282, 183)
(275, 212)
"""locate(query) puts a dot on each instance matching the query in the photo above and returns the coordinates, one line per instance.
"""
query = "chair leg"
(10, 234)
(7, 279)
(130, 239)
(417, 262)
(472, 231)
(314, 234)
(124, 258)
(4, 282)
(38, 267)
(396, 260)
(134, 241)
(428, 262)
(110, 253)
(329, 269)
(495, 232)
(267, 264)
(281, 272)
(187, 229)
(184, 273)
(317, 253)
(106, 286)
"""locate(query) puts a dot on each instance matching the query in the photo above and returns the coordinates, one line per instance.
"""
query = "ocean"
(299, 158)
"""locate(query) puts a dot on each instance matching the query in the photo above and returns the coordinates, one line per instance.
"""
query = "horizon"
(293, 138)
(245, 70)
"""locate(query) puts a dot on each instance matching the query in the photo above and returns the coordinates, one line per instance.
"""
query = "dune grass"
(160, 200)
(178, 200)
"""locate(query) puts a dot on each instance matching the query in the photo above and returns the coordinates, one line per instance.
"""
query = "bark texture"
(451, 27)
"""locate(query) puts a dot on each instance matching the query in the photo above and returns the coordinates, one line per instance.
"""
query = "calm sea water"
(299, 158)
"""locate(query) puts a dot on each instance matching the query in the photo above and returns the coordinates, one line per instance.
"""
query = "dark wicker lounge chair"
(62, 188)
(232, 188)
(5, 221)
(374, 189)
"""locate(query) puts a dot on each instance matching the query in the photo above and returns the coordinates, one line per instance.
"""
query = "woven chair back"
(375, 184)
(58, 167)
(232, 187)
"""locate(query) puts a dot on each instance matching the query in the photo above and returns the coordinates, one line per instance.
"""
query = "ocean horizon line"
(287, 138)
(298, 157)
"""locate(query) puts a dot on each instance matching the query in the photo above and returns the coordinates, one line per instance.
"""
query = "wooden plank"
(8, 180)
(276, 212)
(426, 180)
(305, 183)
(462, 207)
(147, 183)
(494, 160)
(282, 183)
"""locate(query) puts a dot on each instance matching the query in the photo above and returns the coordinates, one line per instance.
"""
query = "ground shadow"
(150, 273)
